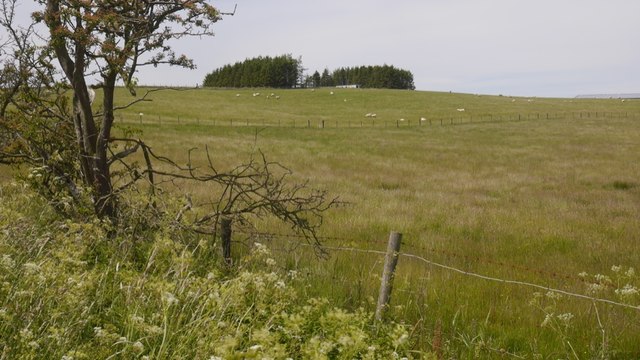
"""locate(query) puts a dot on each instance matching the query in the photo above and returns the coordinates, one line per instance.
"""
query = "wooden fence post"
(225, 235)
(390, 262)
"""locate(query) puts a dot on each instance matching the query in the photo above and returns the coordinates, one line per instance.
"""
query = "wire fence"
(449, 254)
(368, 122)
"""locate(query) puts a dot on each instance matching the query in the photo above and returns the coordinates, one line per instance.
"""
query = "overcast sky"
(511, 47)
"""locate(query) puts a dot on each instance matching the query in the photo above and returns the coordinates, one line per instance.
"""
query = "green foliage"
(377, 77)
(277, 72)
(83, 290)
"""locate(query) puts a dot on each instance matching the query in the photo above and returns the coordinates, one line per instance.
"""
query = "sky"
(554, 48)
(558, 48)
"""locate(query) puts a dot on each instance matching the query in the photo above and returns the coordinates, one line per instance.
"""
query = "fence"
(393, 253)
(154, 119)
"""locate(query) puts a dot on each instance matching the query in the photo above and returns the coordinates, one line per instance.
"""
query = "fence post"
(390, 262)
(225, 235)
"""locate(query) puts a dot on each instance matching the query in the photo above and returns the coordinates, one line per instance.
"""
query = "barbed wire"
(490, 278)
(447, 253)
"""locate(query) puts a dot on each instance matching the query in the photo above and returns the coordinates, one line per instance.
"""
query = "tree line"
(287, 72)
(278, 72)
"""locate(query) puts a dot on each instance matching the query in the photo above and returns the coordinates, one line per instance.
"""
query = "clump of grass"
(623, 185)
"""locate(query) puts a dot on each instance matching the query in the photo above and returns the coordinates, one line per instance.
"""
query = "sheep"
(277, 97)
(373, 115)
(92, 95)
(402, 119)
(331, 93)
(423, 119)
(460, 110)
(368, 115)
(237, 95)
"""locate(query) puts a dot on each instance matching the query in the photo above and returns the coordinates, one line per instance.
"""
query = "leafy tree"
(47, 120)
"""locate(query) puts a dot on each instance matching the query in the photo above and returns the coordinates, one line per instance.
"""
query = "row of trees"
(287, 72)
(385, 77)
(277, 72)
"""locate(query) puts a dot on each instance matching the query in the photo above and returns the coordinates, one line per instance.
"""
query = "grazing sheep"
(92, 95)
(373, 115)
(277, 97)
(423, 119)
(368, 115)
(460, 110)
(331, 93)
(237, 95)
(402, 119)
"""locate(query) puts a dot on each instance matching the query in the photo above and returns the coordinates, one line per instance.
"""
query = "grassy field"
(538, 200)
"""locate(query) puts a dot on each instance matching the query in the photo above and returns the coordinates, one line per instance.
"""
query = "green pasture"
(536, 200)
(530, 189)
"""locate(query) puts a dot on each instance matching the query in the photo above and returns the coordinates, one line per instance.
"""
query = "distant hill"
(609, 96)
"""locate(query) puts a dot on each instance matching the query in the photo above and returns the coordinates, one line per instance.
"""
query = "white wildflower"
(293, 274)
(627, 291)
(616, 268)
(553, 295)
(270, 262)
(565, 318)
(31, 268)
(169, 298)
(213, 357)
(595, 288)
(137, 347)
(602, 278)
(255, 347)
(630, 273)
(98, 332)
(583, 274)
(7, 262)
(547, 319)
(280, 285)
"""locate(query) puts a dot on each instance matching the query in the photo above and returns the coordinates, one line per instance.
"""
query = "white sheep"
(368, 115)
(92, 94)
(331, 93)
(277, 97)
(423, 119)
(460, 110)
(402, 119)
(373, 115)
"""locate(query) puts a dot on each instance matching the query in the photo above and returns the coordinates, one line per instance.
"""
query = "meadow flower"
(630, 273)
(169, 298)
(565, 318)
(553, 295)
(270, 262)
(616, 268)
(137, 347)
(7, 262)
(627, 291)
(31, 268)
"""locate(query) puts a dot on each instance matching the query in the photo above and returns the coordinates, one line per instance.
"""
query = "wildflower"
(138, 347)
(270, 262)
(169, 298)
(213, 357)
(602, 278)
(595, 288)
(553, 295)
(255, 347)
(547, 319)
(31, 268)
(583, 274)
(293, 274)
(630, 273)
(7, 262)
(616, 268)
(280, 285)
(98, 332)
(565, 318)
(627, 291)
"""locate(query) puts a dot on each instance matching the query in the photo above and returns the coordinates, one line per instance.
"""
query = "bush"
(80, 290)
